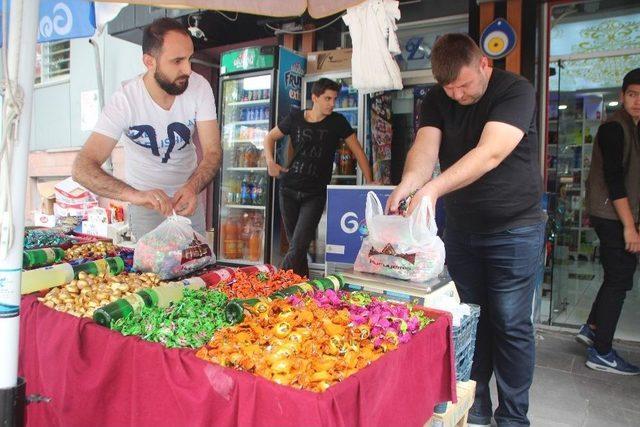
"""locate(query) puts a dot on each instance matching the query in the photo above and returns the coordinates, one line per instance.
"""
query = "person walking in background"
(613, 201)
(315, 137)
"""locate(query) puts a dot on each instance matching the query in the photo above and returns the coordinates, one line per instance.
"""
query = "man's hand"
(152, 199)
(400, 193)
(185, 201)
(428, 192)
(632, 239)
(275, 169)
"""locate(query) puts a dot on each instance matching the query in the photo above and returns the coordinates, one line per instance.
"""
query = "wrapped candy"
(172, 249)
(212, 278)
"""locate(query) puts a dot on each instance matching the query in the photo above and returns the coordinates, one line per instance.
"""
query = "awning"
(279, 8)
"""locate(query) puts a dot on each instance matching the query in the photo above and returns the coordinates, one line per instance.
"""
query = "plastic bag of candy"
(401, 247)
(172, 249)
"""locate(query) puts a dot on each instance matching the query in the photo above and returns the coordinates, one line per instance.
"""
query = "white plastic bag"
(401, 247)
(172, 249)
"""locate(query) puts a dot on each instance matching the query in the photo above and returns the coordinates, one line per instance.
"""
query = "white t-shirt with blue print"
(158, 144)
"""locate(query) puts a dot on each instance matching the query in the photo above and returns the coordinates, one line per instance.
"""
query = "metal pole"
(108, 164)
(21, 48)
(543, 83)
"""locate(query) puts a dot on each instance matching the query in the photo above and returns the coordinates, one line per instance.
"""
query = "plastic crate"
(464, 343)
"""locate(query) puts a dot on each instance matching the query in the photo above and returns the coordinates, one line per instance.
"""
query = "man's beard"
(171, 87)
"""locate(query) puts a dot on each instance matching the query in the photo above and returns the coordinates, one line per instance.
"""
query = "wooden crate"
(456, 414)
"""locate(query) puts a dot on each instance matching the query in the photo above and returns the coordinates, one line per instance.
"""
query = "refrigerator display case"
(248, 85)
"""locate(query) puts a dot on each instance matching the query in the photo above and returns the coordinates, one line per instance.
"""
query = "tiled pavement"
(567, 393)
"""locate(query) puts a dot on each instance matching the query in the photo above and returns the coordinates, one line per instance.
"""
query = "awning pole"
(21, 47)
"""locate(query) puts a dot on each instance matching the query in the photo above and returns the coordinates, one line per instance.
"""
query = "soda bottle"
(245, 196)
(113, 266)
(237, 243)
(245, 96)
(255, 245)
(250, 190)
(230, 238)
(266, 113)
(237, 190)
(245, 234)
(344, 159)
(35, 258)
(258, 192)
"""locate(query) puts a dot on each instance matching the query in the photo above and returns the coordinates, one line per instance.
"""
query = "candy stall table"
(95, 376)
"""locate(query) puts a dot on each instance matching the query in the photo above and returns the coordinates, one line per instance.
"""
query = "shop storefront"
(592, 45)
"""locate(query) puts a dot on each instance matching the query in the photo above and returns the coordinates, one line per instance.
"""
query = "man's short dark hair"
(320, 86)
(153, 36)
(450, 53)
(631, 78)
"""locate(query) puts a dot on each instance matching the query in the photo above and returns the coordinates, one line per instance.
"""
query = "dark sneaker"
(610, 362)
(586, 336)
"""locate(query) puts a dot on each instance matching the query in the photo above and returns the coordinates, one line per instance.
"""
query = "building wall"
(56, 134)
(57, 108)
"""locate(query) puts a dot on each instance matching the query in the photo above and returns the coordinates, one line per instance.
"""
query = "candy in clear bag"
(172, 249)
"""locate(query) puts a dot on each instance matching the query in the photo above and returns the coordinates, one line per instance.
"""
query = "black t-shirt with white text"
(509, 195)
(314, 147)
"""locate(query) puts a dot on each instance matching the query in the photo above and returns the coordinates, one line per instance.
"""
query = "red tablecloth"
(97, 377)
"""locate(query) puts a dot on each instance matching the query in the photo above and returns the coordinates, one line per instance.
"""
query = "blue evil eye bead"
(498, 39)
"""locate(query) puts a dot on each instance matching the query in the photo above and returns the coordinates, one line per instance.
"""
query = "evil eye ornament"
(498, 39)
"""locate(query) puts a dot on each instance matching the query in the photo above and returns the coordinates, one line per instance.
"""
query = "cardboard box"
(47, 196)
(456, 414)
(70, 192)
(329, 60)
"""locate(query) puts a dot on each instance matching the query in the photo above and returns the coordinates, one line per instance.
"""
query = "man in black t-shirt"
(479, 122)
(315, 136)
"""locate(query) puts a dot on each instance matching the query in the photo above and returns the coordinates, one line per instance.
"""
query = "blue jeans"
(497, 271)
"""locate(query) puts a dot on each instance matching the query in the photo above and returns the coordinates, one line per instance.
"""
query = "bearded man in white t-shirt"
(157, 115)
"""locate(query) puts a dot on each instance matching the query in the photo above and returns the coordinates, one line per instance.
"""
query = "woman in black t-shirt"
(315, 136)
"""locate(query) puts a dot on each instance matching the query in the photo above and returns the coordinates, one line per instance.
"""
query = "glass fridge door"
(344, 166)
(244, 190)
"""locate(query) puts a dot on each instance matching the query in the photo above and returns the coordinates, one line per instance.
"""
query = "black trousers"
(301, 213)
(619, 267)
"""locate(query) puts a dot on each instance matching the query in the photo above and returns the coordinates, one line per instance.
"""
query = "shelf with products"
(249, 122)
(252, 207)
(245, 189)
(249, 103)
(242, 233)
(247, 169)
